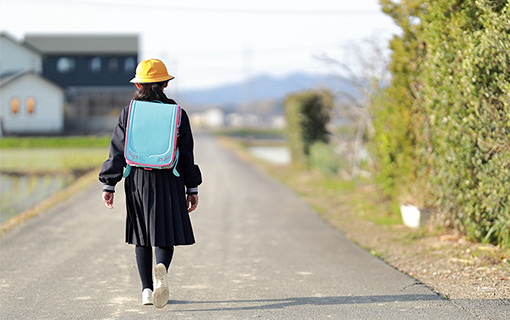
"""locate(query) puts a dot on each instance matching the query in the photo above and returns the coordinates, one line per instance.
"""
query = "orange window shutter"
(30, 105)
(15, 105)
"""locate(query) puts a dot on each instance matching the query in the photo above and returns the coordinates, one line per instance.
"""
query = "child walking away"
(158, 200)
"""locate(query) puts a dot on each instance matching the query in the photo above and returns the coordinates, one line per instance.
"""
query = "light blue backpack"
(151, 136)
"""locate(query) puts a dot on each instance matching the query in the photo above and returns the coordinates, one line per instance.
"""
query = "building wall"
(95, 109)
(48, 104)
(89, 70)
(15, 57)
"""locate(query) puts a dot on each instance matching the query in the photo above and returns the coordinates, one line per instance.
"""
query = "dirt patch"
(447, 263)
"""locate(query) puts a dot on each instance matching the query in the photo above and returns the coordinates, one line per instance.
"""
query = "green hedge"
(466, 95)
(459, 112)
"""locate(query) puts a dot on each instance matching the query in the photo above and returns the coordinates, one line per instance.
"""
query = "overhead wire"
(160, 5)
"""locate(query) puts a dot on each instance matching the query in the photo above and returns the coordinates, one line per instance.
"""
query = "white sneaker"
(161, 292)
(146, 296)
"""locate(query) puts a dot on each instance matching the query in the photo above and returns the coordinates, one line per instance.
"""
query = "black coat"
(156, 205)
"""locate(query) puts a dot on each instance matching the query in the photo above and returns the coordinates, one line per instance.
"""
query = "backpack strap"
(127, 171)
(175, 172)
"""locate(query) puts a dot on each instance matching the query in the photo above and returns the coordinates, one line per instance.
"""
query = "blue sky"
(209, 43)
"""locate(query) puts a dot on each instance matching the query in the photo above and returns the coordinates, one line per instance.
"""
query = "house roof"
(10, 77)
(84, 44)
(6, 35)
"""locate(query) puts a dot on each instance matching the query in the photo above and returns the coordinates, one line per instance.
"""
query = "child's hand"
(192, 202)
(108, 199)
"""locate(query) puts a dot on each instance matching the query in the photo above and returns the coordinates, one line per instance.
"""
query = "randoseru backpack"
(151, 136)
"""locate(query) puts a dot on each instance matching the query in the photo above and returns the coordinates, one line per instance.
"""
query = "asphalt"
(261, 252)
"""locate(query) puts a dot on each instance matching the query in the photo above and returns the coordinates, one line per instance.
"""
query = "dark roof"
(84, 44)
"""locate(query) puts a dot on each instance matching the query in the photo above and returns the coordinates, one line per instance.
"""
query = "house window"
(30, 104)
(113, 65)
(129, 65)
(15, 105)
(95, 65)
(65, 65)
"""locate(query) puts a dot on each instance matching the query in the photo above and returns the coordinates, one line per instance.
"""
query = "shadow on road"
(315, 301)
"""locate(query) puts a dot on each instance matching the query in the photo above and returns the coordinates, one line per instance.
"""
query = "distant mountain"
(260, 88)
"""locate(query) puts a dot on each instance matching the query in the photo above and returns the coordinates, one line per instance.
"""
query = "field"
(33, 169)
(36, 155)
(54, 142)
(51, 160)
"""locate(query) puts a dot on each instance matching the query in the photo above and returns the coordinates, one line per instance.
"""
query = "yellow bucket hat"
(151, 70)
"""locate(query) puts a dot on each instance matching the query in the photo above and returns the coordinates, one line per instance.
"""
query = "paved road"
(260, 253)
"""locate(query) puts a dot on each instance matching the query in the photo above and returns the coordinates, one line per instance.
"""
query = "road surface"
(261, 252)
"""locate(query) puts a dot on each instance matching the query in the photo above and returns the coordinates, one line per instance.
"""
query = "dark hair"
(152, 91)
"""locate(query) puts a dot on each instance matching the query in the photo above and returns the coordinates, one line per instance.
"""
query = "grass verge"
(55, 142)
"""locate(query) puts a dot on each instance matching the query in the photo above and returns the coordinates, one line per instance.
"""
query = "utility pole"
(247, 87)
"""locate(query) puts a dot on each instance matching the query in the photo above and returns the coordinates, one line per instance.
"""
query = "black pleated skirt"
(157, 213)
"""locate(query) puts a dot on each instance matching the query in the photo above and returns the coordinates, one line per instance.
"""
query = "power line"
(263, 51)
(272, 51)
(223, 10)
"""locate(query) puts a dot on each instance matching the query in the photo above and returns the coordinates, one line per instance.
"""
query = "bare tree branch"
(364, 75)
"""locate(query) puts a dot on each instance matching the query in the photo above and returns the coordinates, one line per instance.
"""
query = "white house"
(29, 103)
(15, 56)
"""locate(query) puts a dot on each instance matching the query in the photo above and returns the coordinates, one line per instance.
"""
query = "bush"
(396, 118)
(307, 115)
(323, 157)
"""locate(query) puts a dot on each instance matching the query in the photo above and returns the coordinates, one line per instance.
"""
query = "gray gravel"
(260, 253)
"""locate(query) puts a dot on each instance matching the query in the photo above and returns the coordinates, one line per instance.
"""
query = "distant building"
(16, 56)
(86, 75)
(210, 118)
(95, 70)
(87, 60)
(29, 103)
(278, 121)
(235, 120)
(214, 118)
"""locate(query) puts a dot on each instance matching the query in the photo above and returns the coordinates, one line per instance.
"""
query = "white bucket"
(410, 215)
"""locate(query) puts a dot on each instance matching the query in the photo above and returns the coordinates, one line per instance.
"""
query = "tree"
(365, 74)
(307, 115)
